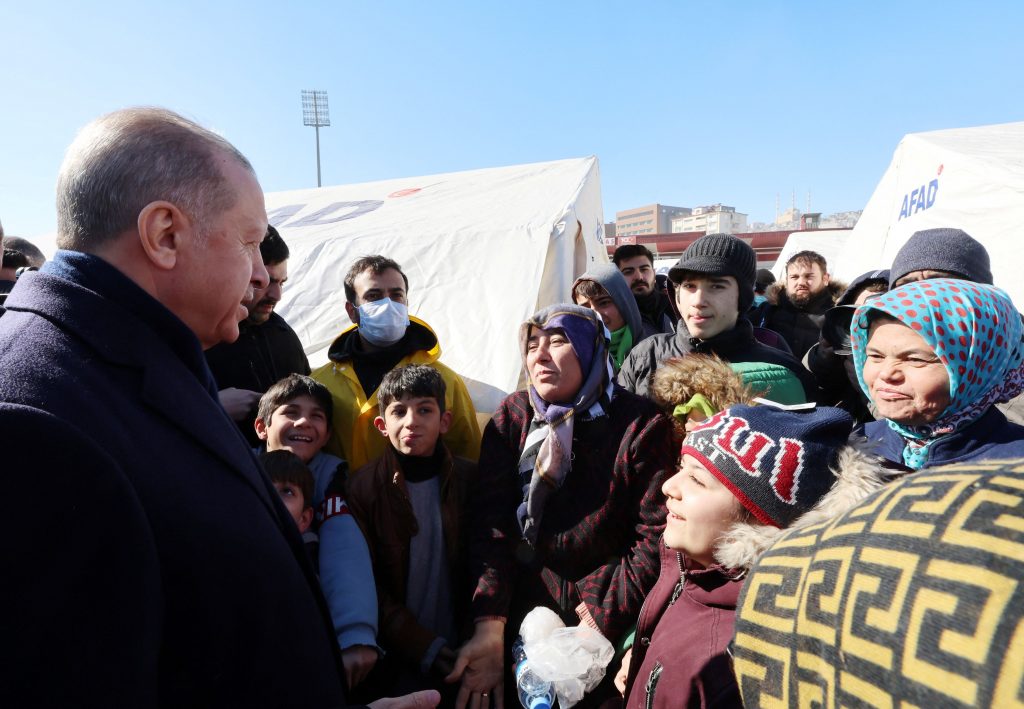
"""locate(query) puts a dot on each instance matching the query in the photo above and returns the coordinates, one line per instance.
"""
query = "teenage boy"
(295, 415)
(714, 283)
(636, 264)
(384, 336)
(410, 504)
(604, 290)
(294, 484)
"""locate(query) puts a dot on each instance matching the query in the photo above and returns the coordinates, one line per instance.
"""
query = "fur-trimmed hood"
(858, 474)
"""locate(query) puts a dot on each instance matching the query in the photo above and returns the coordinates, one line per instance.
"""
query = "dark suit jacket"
(147, 559)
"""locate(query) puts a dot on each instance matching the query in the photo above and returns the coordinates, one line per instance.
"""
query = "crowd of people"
(225, 526)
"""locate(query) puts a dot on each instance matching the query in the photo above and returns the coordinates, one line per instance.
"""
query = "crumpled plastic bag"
(573, 659)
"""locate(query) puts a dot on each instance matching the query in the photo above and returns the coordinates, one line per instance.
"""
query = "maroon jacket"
(598, 540)
(679, 657)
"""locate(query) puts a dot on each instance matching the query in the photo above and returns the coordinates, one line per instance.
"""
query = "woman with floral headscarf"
(568, 509)
(935, 357)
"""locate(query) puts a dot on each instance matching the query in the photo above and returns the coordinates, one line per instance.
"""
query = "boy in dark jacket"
(410, 505)
(294, 483)
(743, 470)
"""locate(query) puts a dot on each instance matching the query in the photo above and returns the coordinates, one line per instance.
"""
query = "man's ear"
(379, 423)
(162, 227)
(261, 429)
(824, 279)
(446, 422)
(352, 312)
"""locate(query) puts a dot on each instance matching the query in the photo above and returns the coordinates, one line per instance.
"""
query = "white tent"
(483, 250)
(968, 178)
(828, 243)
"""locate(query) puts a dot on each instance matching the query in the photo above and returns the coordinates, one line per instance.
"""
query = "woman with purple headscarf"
(935, 357)
(568, 509)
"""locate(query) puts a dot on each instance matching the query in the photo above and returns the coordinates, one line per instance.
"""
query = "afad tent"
(968, 178)
(483, 250)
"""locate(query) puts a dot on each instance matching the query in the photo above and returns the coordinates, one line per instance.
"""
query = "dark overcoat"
(147, 559)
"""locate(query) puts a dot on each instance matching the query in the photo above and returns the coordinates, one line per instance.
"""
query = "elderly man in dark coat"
(148, 560)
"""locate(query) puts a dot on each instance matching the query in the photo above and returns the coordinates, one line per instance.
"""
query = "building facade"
(646, 220)
(712, 219)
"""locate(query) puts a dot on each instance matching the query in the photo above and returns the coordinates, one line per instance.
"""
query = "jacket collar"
(90, 299)
(736, 339)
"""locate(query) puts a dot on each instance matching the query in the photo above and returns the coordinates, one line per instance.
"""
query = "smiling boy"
(295, 415)
(410, 505)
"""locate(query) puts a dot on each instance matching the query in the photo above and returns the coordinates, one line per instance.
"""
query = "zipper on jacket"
(652, 685)
(678, 590)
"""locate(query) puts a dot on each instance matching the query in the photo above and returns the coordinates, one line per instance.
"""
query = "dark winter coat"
(799, 325)
(148, 560)
(735, 345)
(598, 541)
(991, 437)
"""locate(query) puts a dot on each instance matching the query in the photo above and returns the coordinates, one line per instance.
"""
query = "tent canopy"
(482, 249)
(966, 178)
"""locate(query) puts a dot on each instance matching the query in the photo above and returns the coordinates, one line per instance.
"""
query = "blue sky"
(684, 103)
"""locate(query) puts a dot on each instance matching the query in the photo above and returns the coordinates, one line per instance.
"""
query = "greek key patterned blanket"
(913, 598)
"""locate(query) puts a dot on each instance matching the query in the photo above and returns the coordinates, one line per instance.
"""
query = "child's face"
(700, 510)
(291, 495)
(413, 425)
(299, 426)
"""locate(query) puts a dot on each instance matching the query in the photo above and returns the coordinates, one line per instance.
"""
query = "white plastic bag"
(573, 659)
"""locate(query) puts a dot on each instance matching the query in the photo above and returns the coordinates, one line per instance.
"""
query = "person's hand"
(480, 666)
(238, 402)
(444, 663)
(623, 675)
(358, 661)
(426, 699)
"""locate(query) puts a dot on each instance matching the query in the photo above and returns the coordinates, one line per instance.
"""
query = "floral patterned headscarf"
(975, 331)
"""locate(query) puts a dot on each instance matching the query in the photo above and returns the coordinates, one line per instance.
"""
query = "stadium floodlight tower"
(315, 113)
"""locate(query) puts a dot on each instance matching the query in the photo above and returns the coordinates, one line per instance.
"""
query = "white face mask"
(383, 322)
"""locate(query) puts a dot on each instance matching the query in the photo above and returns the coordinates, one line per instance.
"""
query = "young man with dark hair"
(636, 264)
(384, 336)
(267, 349)
(714, 284)
(604, 290)
(796, 308)
(410, 503)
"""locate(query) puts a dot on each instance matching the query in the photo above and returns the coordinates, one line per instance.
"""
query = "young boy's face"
(291, 496)
(413, 424)
(299, 426)
(700, 510)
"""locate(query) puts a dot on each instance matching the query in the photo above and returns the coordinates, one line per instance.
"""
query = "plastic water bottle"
(534, 692)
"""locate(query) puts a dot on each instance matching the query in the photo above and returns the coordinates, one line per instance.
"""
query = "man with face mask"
(384, 336)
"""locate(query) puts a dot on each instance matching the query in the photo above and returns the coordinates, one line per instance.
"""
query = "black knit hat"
(952, 250)
(775, 462)
(720, 255)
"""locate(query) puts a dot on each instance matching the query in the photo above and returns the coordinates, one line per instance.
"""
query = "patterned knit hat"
(776, 462)
(720, 255)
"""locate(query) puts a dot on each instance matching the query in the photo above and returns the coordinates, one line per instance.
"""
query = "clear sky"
(684, 103)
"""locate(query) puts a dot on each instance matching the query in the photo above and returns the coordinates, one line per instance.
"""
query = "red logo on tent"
(405, 193)
(940, 169)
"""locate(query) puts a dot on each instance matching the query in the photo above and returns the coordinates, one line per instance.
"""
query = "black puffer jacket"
(735, 345)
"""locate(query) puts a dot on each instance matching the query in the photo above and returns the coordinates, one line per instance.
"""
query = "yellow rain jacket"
(353, 435)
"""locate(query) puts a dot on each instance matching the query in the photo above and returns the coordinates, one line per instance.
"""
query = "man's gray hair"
(125, 160)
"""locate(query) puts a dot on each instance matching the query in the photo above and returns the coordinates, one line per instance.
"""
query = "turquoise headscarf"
(975, 331)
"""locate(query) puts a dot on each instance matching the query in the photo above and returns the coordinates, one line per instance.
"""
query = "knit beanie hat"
(952, 250)
(776, 462)
(720, 255)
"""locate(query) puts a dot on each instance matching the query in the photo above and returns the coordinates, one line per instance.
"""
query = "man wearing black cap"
(714, 282)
